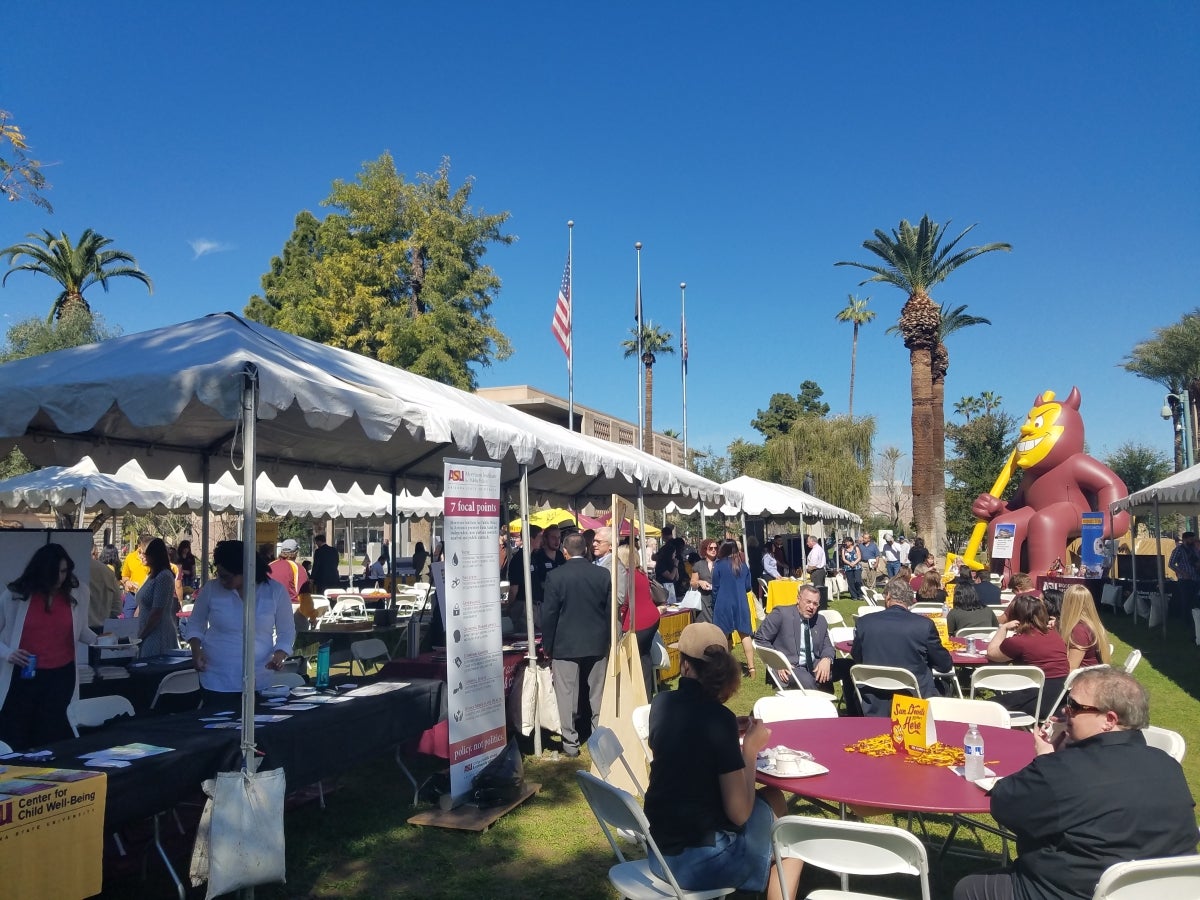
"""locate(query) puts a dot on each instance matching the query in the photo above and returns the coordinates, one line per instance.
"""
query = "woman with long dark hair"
(713, 828)
(1028, 640)
(186, 561)
(41, 617)
(216, 627)
(702, 576)
(731, 609)
(968, 611)
(156, 603)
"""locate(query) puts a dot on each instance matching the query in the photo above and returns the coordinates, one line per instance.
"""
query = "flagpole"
(684, 355)
(640, 369)
(571, 328)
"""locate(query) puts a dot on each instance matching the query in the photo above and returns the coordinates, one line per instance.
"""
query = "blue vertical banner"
(1091, 545)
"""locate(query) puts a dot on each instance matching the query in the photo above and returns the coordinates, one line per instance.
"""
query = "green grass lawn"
(361, 846)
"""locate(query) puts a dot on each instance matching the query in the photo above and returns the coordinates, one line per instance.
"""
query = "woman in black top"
(713, 829)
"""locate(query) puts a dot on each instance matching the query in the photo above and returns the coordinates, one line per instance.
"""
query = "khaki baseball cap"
(698, 637)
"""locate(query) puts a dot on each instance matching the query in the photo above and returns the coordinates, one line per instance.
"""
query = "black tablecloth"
(310, 745)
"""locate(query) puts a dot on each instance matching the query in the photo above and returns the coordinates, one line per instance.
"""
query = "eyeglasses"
(1073, 708)
(711, 550)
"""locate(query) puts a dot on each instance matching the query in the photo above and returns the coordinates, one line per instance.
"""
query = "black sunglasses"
(1073, 707)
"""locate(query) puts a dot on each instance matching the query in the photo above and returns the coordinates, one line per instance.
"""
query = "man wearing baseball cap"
(286, 571)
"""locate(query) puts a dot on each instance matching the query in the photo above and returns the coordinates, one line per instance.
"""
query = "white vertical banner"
(474, 664)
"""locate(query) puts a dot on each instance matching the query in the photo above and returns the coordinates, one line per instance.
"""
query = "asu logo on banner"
(913, 728)
(456, 475)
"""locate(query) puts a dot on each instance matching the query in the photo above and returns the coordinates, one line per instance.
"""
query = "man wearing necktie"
(802, 636)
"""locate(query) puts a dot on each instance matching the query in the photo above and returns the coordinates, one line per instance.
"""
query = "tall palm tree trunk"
(648, 434)
(939, 366)
(924, 459)
(853, 360)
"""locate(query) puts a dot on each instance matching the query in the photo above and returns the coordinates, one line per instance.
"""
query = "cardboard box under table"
(51, 832)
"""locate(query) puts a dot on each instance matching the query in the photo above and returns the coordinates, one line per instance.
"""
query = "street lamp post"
(1178, 407)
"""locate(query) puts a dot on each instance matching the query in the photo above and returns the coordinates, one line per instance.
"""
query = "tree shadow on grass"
(1174, 656)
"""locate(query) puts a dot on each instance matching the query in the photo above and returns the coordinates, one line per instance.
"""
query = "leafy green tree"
(76, 267)
(784, 409)
(915, 261)
(855, 312)
(836, 450)
(1172, 359)
(1138, 465)
(21, 178)
(394, 273)
(980, 448)
(743, 457)
(33, 337)
(655, 340)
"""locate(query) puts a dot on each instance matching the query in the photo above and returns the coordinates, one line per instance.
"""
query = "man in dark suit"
(576, 614)
(988, 593)
(801, 635)
(326, 566)
(898, 637)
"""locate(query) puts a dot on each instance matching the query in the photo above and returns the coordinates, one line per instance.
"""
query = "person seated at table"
(713, 828)
(930, 589)
(40, 615)
(215, 628)
(918, 576)
(157, 604)
(770, 566)
(988, 593)
(1081, 628)
(802, 636)
(1052, 599)
(1028, 640)
(968, 611)
(896, 637)
(1094, 795)
(1020, 584)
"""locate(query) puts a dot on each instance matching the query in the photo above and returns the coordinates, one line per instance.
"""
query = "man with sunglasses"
(1096, 794)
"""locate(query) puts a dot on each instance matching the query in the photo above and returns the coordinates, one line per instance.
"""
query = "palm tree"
(654, 340)
(990, 401)
(915, 261)
(856, 312)
(968, 406)
(76, 267)
(1172, 358)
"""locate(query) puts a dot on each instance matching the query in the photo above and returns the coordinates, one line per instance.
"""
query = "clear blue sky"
(748, 148)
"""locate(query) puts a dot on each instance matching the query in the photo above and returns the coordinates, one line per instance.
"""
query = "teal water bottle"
(323, 667)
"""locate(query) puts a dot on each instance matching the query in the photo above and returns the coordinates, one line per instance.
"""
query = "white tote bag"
(691, 600)
(240, 839)
(538, 678)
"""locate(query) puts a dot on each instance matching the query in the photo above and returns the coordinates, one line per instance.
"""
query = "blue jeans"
(741, 861)
(893, 569)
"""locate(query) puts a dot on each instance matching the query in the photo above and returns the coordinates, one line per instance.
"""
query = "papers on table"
(375, 690)
(987, 782)
(120, 757)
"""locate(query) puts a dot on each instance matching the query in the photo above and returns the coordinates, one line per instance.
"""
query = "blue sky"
(749, 148)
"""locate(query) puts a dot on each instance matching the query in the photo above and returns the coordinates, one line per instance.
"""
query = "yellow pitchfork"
(980, 530)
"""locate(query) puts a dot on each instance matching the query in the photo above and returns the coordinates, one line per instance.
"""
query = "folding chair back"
(978, 631)
(641, 725)
(832, 617)
(970, 712)
(184, 682)
(1005, 680)
(616, 810)
(1170, 742)
(848, 848)
(95, 711)
(1131, 662)
(1150, 879)
(883, 678)
(776, 662)
(606, 751)
(289, 679)
(792, 705)
(364, 652)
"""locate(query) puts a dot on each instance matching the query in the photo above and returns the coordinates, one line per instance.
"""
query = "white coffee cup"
(787, 763)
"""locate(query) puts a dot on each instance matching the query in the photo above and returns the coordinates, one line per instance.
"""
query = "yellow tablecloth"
(781, 592)
(51, 833)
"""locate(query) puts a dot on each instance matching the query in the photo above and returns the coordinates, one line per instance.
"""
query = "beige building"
(588, 421)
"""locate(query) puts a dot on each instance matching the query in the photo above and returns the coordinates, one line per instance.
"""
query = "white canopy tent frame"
(180, 395)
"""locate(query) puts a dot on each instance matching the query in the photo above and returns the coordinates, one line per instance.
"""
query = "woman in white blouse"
(216, 628)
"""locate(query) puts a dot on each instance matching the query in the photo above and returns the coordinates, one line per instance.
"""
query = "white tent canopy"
(762, 498)
(176, 395)
(1178, 494)
(83, 484)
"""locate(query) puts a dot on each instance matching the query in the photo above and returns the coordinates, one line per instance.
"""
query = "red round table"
(960, 657)
(891, 782)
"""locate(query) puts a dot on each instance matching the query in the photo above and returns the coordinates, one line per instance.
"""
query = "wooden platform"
(471, 818)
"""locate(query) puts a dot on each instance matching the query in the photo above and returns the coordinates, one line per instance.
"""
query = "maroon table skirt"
(891, 782)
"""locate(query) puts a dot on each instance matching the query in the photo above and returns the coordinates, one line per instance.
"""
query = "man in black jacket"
(326, 566)
(576, 614)
(1095, 795)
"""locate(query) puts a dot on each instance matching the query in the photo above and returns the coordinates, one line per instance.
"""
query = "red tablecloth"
(891, 782)
(960, 657)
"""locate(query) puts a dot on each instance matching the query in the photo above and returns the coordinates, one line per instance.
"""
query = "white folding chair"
(776, 662)
(1005, 680)
(184, 682)
(872, 596)
(5, 749)
(641, 725)
(832, 617)
(792, 705)
(350, 607)
(970, 712)
(848, 848)
(1131, 662)
(366, 651)
(606, 751)
(977, 631)
(890, 679)
(1071, 676)
(616, 810)
(95, 711)
(866, 611)
(1170, 742)
(840, 633)
(924, 608)
(1150, 879)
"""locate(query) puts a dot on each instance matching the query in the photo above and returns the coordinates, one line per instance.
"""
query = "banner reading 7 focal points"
(474, 666)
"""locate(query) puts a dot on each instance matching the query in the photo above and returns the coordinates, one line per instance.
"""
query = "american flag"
(561, 324)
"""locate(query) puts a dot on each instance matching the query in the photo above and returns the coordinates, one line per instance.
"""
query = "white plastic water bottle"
(973, 752)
